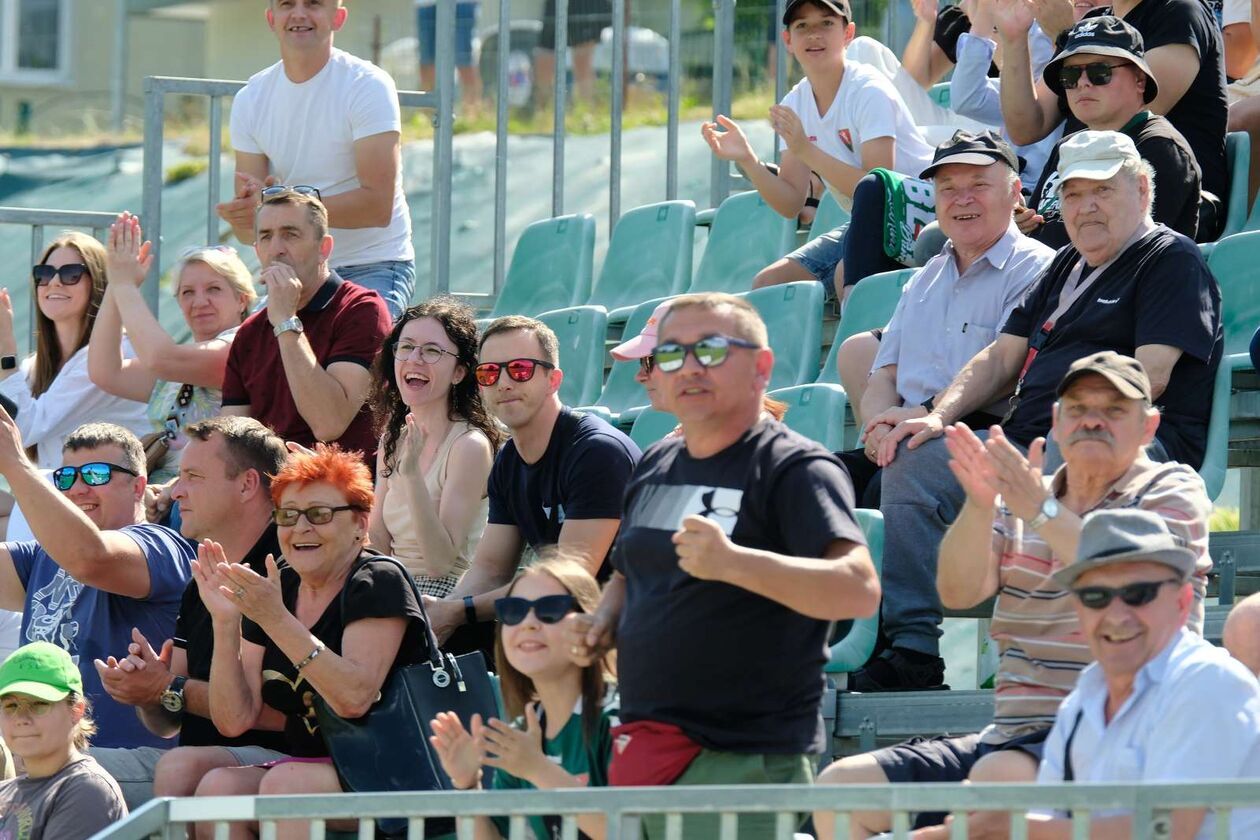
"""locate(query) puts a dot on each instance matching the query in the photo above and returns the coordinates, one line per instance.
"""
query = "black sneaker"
(897, 669)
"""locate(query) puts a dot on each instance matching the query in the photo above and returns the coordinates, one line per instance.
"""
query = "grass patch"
(185, 170)
(1224, 519)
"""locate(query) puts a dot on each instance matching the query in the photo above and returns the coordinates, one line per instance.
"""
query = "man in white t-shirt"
(842, 120)
(322, 118)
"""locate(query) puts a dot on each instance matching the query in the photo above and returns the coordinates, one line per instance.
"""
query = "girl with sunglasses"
(179, 383)
(52, 389)
(437, 444)
(562, 714)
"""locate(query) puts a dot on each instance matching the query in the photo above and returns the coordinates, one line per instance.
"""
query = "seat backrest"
(745, 237)
(793, 314)
(580, 332)
(829, 216)
(621, 391)
(1216, 447)
(940, 93)
(870, 306)
(1233, 263)
(650, 426)
(649, 255)
(551, 267)
(1238, 169)
(852, 651)
(815, 411)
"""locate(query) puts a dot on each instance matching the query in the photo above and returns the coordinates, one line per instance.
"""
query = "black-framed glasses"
(709, 352)
(315, 514)
(1134, 594)
(549, 609)
(518, 370)
(1098, 73)
(647, 363)
(95, 474)
(71, 273)
(430, 354)
(278, 190)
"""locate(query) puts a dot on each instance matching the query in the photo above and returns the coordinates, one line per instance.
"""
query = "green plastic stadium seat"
(815, 411)
(793, 315)
(1216, 449)
(940, 94)
(830, 216)
(1238, 163)
(871, 304)
(650, 426)
(851, 652)
(551, 267)
(621, 392)
(1233, 263)
(745, 237)
(580, 331)
(649, 256)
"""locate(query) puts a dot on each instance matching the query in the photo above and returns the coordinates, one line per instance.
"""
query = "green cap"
(42, 670)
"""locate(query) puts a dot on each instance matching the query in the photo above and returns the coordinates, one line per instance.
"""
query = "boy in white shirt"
(842, 120)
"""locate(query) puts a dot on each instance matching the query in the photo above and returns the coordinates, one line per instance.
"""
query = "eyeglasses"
(315, 514)
(430, 354)
(549, 609)
(709, 352)
(71, 273)
(646, 364)
(1098, 73)
(518, 370)
(11, 708)
(278, 190)
(1135, 594)
(95, 474)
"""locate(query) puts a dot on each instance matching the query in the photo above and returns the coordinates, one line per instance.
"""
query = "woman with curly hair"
(437, 444)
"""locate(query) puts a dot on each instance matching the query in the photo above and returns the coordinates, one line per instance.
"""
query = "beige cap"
(1095, 155)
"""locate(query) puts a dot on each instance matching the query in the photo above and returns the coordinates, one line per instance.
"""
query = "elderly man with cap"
(1140, 713)
(1124, 284)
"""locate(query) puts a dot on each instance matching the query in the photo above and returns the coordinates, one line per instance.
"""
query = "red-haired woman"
(299, 634)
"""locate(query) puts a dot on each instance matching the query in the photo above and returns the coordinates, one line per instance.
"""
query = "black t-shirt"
(375, 589)
(1177, 180)
(194, 632)
(1159, 291)
(736, 671)
(582, 475)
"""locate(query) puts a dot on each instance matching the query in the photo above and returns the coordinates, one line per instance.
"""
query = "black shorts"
(946, 759)
(587, 19)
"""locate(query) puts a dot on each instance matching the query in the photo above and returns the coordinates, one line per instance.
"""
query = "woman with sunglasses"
(562, 714)
(437, 444)
(179, 382)
(51, 389)
(327, 619)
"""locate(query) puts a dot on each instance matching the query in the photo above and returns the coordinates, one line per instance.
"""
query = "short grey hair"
(1135, 168)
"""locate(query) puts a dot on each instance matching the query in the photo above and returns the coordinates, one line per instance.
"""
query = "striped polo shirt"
(1040, 646)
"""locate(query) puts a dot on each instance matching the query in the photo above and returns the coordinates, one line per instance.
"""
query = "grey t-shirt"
(72, 804)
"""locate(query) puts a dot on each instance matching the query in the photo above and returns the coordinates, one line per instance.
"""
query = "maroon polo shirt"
(344, 322)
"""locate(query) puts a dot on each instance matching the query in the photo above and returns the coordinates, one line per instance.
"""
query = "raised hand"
(258, 598)
(589, 636)
(128, 255)
(457, 748)
(970, 464)
(211, 585)
(8, 338)
(284, 291)
(1018, 478)
(410, 446)
(727, 140)
(787, 124)
(1013, 18)
(513, 750)
(140, 677)
(704, 551)
(925, 11)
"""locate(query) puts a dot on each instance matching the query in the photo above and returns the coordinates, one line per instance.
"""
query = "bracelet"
(319, 648)
(470, 610)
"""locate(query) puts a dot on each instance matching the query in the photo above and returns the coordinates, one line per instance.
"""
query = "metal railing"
(624, 808)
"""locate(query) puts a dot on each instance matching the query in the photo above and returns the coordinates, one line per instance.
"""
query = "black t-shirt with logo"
(735, 671)
(1177, 179)
(1159, 291)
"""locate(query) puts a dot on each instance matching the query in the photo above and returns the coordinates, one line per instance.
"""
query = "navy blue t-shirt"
(582, 475)
(91, 624)
(735, 671)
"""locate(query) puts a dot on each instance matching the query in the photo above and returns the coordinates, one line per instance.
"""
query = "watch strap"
(929, 405)
(470, 610)
(293, 324)
(8, 363)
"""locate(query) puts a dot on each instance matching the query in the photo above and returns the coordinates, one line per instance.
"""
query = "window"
(34, 40)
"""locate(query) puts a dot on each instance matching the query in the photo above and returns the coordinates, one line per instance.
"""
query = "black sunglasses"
(549, 608)
(1098, 73)
(709, 352)
(315, 514)
(95, 474)
(71, 273)
(1135, 594)
(518, 370)
(281, 189)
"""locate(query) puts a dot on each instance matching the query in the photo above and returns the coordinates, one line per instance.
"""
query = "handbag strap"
(368, 555)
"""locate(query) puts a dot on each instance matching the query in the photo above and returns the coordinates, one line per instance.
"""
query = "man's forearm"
(981, 381)
(966, 568)
(1018, 93)
(360, 208)
(834, 172)
(61, 529)
(825, 588)
(781, 195)
(320, 399)
(881, 393)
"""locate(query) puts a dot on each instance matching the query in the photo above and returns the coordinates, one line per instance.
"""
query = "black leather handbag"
(388, 748)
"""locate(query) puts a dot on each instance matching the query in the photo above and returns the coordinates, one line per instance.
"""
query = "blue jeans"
(394, 280)
(820, 256)
(465, 23)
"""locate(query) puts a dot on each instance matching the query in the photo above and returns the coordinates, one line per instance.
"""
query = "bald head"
(1242, 632)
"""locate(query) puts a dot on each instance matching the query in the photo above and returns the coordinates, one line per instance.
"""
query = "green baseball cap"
(42, 670)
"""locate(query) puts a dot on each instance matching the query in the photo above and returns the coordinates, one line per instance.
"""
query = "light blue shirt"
(1194, 715)
(943, 319)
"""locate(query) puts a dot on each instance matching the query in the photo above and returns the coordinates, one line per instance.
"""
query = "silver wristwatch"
(1049, 510)
(293, 324)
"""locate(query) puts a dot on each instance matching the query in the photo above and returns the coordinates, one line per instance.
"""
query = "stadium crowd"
(220, 548)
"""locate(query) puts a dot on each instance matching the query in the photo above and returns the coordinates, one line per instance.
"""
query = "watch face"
(1050, 507)
(172, 701)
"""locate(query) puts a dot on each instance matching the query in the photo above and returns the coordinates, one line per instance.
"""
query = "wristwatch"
(1049, 510)
(173, 698)
(929, 405)
(293, 324)
(8, 362)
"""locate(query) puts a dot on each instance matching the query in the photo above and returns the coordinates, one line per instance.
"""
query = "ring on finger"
(240, 592)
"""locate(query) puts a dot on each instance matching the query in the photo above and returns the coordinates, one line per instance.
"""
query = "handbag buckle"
(441, 678)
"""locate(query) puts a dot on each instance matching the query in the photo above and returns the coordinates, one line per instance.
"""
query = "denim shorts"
(394, 280)
(821, 255)
(465, 22)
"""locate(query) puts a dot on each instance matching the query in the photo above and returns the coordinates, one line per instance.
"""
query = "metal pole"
(618, 84)
(37, 246)
(443, 122)
(780, 59)
(151, 212)
(501, 148)
(723, 50)
(216, 164)
(675, 99)
(118, 90)
(559, 94)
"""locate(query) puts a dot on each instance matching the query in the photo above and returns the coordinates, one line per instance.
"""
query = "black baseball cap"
(976, 148)
(840, 7)
(1102, 35)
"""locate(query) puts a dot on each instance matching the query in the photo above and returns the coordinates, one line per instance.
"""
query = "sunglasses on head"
(1098, 73)
(1134, 594)
(71, 273)
(95, 474)
(315, 514)
(549, 609)
(709, 352)
(281, 189)
(518, 370)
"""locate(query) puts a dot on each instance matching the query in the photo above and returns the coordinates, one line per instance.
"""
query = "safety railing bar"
(559, 104)
(674, 99)
(153, 178)
(443, 151)
(617, 102)
(213, 172)
(780, 65)
(55, 218)
(723, 52)
(501, 147)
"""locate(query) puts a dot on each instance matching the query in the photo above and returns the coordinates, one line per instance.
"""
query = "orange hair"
(330, 465)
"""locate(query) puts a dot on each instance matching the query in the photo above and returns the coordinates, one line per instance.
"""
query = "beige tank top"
(403, 530)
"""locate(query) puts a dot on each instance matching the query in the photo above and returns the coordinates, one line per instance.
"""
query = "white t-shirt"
(1235, 11)
(308, 131)
(866, 108)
